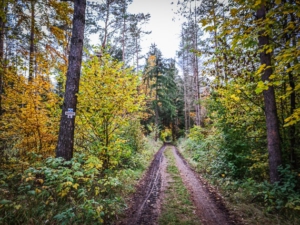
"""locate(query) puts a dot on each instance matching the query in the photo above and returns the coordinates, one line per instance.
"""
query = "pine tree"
(65, 143)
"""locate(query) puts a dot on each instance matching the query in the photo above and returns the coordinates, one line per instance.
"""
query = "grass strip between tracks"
(177, 207)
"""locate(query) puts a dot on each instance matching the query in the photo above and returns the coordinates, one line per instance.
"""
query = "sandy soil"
(144, 207)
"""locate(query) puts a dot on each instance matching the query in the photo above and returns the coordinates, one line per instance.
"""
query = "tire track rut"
(144, 207)
(210, 209)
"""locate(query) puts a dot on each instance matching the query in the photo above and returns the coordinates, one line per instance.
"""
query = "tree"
(28, 124)
(65, 143)
(163, 94)
(152, 76)
(3, 11)
(119, 31)
(109, 101)
(273, 135)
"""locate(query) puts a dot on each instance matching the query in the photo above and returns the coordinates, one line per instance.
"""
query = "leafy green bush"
(241, 173)
(283, 194)
(55, 191)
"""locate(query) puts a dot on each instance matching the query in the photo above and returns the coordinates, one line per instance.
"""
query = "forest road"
(145, 205)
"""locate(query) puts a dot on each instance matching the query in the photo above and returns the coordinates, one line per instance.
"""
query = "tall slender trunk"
(293, 141)
(31, 48)
(123, 41)
(108, 2)
(273, 136)
(216, 43)
(188, 91)
(225, 61)
(137, 55)
(65, 143)
(3, 10)
(156, 113)
(184, 88)
(2, 61)
(292, 128)
(196, 70)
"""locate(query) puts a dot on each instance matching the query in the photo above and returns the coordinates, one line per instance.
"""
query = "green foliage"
(161, 85)
(55, 191)
(284, 194)
(221, 154)
(281, 196)
(166, 135)
(109, 104)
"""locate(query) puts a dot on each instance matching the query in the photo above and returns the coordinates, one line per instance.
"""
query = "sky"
(165, 32)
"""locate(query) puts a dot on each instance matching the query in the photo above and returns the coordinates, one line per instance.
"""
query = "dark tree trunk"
(273, 136)
(293, 157)
(31, 48)
(67, 123)
(156, 116)
(3, 11)
(137, 55)
(123, 35)
(2, 26)
(293, 106)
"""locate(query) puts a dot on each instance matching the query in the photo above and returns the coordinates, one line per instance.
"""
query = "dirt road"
(145, 206)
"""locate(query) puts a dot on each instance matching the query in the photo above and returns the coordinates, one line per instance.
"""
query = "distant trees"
(248, 55)
(164, 92)
(192, 47)
(118, 30)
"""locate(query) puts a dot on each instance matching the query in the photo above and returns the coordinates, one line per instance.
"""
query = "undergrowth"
(54, 191)
(242, 178)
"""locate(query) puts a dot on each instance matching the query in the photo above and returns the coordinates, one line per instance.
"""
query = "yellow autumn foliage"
(108, 100)
(28, 124)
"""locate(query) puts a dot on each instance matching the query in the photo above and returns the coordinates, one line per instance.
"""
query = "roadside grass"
(240, 200)
(177, 207)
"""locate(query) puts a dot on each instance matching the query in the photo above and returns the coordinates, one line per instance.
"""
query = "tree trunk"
(2, 66)
(156, 114)
(273, 136)
(293, 144)
(293, 157)
(67, 123)
(217, 71)
(31, 47)
(123, 35)
(137, 55)
(184, 89)
(196, 69)
(108, 2)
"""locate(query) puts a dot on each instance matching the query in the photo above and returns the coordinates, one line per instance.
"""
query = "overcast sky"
(165, 32)
(165, 29)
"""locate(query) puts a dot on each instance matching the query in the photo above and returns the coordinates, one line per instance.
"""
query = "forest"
(80, 122)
